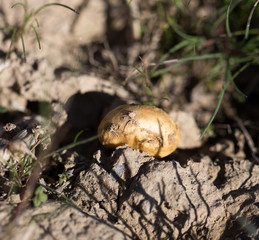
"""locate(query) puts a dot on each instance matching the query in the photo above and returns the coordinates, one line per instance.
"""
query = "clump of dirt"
(147, 198)
(58, 221)
(162, 200)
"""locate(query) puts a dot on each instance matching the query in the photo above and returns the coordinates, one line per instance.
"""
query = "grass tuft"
(28, 23)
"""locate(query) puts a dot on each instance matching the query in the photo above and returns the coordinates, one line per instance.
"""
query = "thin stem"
(37, 36)
(249, 20)
(72, 145)
(20, 3)
(224, 87)
(229, 34)
(55, 4)
(14, 31)
(23, 47)
(235, 75)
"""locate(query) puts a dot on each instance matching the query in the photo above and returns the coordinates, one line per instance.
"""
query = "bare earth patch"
(207, 189)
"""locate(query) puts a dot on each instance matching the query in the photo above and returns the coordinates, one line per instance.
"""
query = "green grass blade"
(140, 71)
(9, 50)
(235, 75)
(220, 18)
(72, 145)
(253, 31)
(187, 59)
(23, 48)
(55, 4)
(229, 34)
(175, 48)
(224, 87)
(217, 108)
(37, 22)
(249, 20)
(36, 34)
(181, 33)
(216, 68)
(20, 3)
(13, 39)
(77, 136)
(224, 15)
(68, 200)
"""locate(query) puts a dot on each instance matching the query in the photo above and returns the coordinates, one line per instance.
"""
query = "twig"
(248, 138)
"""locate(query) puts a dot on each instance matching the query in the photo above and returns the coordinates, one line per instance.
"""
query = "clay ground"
(58, 182)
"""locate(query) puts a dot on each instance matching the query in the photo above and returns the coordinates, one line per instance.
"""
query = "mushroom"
(146, 128)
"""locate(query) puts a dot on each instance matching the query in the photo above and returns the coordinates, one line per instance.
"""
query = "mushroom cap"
(142, 127)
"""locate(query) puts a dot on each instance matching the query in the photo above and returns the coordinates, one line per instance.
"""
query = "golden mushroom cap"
(146, 128)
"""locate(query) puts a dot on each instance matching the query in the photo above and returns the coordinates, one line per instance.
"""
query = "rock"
(127, 162)
(189, 131)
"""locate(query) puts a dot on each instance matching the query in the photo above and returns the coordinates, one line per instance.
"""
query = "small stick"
(248, 138)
